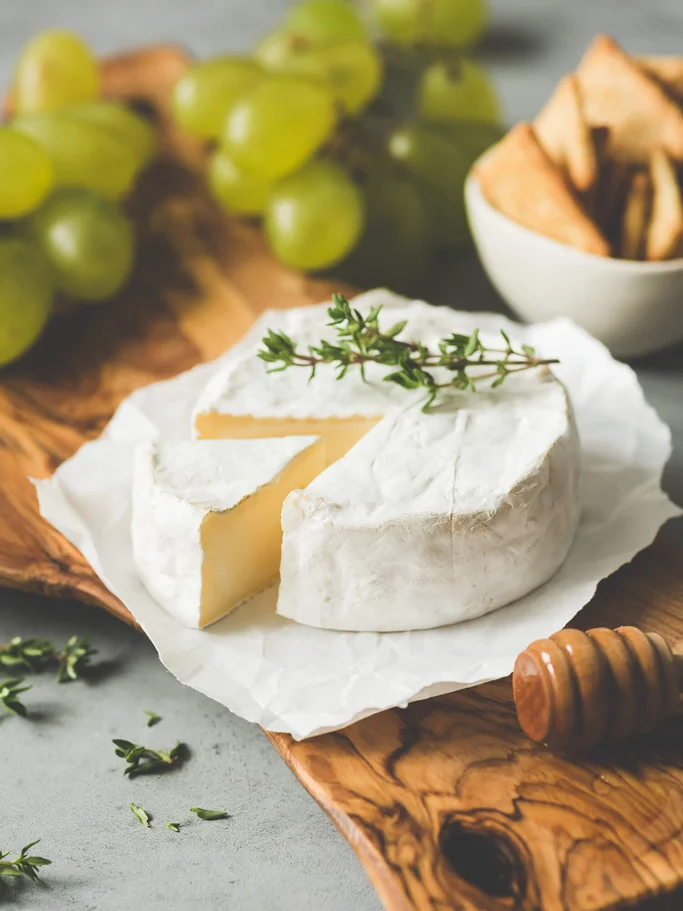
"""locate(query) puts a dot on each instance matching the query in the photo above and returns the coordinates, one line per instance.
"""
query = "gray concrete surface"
(59, 779)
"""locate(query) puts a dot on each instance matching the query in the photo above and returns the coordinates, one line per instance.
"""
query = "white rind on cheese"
(420, 520)
(244, 387)
(435, 519)
(206, 519)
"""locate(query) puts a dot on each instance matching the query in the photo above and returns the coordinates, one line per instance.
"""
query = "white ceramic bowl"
(633, 307)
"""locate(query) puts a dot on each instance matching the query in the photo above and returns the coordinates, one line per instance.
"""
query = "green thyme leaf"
(173, 826)
(396, 329)
(153, 718)
(141, 815)
(210, 814)
(472, 345)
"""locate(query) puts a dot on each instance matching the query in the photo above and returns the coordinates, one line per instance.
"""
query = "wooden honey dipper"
(576, 690)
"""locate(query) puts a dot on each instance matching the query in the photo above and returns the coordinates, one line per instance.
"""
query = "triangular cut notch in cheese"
(340, 434)
(206, 519)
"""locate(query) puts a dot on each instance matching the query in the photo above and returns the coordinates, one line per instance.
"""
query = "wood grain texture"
(447, 804)
(450, 806)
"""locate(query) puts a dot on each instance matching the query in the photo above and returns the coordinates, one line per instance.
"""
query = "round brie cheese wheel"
(420, 519)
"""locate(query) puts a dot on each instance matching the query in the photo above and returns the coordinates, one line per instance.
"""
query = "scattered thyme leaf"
(173, 826)
(31, 654)
(210, 814)
(24, 864)
(74, 658)
(153, 718)
(9, 696)
(141, 815)
(142, 760)
(360, 342)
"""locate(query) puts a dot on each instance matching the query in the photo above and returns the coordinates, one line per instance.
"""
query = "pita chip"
(665, 233)
(600, 139)
(564, 133)
(619, 94)
(668, 71)
(636, 214)
(610, 196)
(591, 198)
(519, 179)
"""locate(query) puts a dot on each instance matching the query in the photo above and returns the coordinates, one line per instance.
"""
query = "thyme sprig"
(9, 696)
(142, 760)
(360, 341)
(24, 864)
(35, 655)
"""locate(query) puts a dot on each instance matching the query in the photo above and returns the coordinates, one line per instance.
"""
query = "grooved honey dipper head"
(575, 689)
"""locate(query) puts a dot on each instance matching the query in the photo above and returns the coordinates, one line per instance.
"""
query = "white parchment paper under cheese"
(305, 681)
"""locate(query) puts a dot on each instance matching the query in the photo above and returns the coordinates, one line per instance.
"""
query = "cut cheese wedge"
(419, 519)
(206, 519)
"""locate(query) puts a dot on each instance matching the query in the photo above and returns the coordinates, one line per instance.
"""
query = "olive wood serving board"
(446, 803)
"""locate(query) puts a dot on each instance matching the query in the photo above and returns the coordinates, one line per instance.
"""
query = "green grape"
(396, 248)
(26, 174)
(25, 297)
(202, 97)
(55, 68)
(314, 217)
(279, 125)
(435, 23)
(274, 51)
(351, 69)
(87, 241)
(82, 153)
(324, 20)
(441, 168)
(457, 91)
(126, 125)
(353, 73)
(236, 190)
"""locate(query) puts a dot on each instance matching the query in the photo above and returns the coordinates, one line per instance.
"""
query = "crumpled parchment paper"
(304, 681)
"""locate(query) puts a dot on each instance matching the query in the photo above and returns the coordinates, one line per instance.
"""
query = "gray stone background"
(59, 779)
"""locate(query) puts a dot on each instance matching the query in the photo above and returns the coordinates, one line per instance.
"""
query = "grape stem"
(360, 341)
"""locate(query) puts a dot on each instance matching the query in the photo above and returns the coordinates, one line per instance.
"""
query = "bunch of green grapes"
(301, 134)
(67, 160)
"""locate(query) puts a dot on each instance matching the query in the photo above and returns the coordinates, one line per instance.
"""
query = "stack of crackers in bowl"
(598, 174)
(598, 165)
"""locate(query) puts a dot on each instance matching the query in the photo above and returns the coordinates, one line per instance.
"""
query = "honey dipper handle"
(577, 689)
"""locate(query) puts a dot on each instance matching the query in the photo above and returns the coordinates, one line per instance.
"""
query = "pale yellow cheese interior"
(242, 546)
(340, 434)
